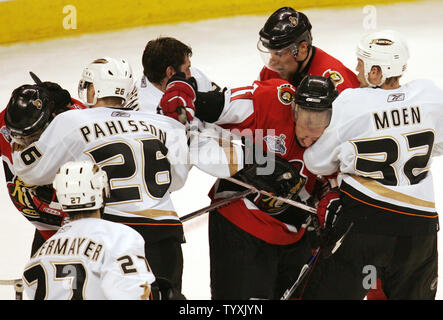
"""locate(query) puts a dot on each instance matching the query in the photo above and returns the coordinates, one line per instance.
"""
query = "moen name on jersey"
(117, 127)
(397, 117)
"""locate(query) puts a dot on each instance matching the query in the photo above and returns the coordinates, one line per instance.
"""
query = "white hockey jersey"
(382, 142)
(90, 259)
(149, 96)
(145, 156)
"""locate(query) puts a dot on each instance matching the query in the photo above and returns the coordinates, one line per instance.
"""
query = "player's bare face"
(307, 136)
(90, 93)
(186, 67)
(309, 126)
(283, 62)
(361, 74)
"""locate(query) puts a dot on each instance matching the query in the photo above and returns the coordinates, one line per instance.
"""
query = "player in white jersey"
(162, 58)
(145, 155)
(88, 258)
(381, 138)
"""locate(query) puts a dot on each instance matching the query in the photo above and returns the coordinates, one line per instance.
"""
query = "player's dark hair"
(161, 53)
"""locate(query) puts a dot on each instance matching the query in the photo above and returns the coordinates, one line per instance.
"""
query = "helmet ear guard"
(81, 185)
(385, 49)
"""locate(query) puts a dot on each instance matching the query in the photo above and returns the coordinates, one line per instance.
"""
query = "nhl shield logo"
(276, 144)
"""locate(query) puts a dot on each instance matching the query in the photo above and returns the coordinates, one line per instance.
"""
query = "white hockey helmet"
(386, 49)
(81, 185)
(111, 78)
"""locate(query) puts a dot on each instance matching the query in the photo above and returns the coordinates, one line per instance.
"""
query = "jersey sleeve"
(216, 151)
(321, 158)
(126, 273)
(39, 162)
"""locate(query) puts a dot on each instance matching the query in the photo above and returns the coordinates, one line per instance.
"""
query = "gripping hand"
(178, 100)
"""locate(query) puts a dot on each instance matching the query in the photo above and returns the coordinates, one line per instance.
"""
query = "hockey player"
(256, 244)
(34, 202)
(162, 58)
(145, 155)
(285, 45)
(88, 258)
(381, 137)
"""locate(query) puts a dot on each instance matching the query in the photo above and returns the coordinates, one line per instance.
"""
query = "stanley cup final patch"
(276, 144)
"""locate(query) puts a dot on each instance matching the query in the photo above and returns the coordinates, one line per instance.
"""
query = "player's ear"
(375, 75)
(170, 71)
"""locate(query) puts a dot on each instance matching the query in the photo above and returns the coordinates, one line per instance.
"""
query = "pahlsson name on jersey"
(118, 127)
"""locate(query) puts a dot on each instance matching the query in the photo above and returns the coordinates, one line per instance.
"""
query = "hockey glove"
(162, 289)
(44, 202)
(329, 208)
(284, 181)
(179, 98)
(60, 96)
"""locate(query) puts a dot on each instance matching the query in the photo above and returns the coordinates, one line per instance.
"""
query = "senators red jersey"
(16, 187)
(320, 64)
(263, 111)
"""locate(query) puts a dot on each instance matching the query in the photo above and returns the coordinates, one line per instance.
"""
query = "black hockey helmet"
(29, 110)
(284, 27)
(316, 93)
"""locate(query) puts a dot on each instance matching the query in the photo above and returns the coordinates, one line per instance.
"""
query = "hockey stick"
(285, 200)
(308, 266)
(18, 286)
(217, 204)
(304, 271)
(35, 78)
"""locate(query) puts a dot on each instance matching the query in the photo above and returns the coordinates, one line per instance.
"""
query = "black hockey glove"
(284, 181)
(162, 289)
(60, 96)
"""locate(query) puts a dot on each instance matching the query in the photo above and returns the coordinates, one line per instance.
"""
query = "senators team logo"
(335, 76)
(286, 93)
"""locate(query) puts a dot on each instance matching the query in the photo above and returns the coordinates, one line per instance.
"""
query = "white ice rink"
(224, 49)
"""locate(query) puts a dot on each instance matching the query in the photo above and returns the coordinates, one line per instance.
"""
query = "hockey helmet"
(28, 112)
(284, 28)
(386, 49)
(315, 93)
(81, 185)
(110, 77)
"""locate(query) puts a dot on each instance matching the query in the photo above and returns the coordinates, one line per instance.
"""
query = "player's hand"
(285, 179)
(178, 100)
(60, 96)
(49, 214)
(329, 208)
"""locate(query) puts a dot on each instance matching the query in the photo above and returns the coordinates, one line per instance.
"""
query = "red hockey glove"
(329, 208)
(43, 200)
(178, 100)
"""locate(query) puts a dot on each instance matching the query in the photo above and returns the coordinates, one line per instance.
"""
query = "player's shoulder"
(159, 119)
(102, 230)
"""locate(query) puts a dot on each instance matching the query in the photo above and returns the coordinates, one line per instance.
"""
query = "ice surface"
(224, 49)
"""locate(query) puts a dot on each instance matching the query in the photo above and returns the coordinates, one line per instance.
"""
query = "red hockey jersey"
(16, 186)
(264, 109)
(322, 64)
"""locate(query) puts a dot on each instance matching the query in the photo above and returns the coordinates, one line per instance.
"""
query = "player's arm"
(38, 163)
(126, 272)
(219, 107)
